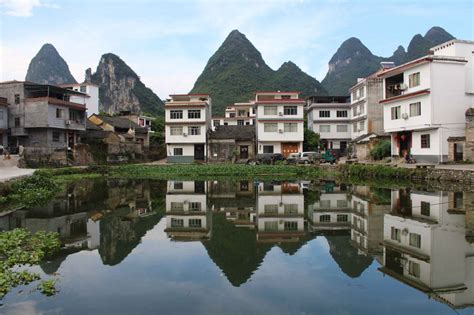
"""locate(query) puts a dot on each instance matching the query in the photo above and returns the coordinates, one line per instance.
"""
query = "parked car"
(309, 157)
(270, 158)
(293, 158)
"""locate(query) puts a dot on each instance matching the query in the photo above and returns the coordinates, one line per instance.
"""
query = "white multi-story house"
(92, 96)
(280, 117)
(238, 114)
(187, 118)
(280, 212)
(330, 116)
(187, 214)
(425, 247)
(425, 101)
(3, 122)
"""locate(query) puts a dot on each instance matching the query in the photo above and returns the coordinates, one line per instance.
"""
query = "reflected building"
(280, 212)
(237, 199)
(425, 246)
(188, 217)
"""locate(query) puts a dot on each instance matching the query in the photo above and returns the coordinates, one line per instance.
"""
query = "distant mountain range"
(232, 74)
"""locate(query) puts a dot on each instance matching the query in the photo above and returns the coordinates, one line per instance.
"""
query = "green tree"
(311, 140)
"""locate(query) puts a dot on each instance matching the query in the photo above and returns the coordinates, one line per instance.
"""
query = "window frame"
(194, 130)
(418, 109)
(341, 114)
(270, 110)
(324, 114)
(266, 127)
(194, 114)
(290, 110)
(425, 141)
(395, 112)
(175, 150)
(176, 112)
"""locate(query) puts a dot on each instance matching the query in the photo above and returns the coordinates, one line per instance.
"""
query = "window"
(290, 226)
(425, 208)
(231, 115)
(341, 203)
(194, 130)
(425, 141)
(415, 240)
(413, 269)
(240, 122)
(178, 185)
(325, 203)
(342, 218)
(270, 110)
(178, 151)
(395, 112)
(324, 113)
(176, 131)
(176, 206)
(395, 234)
(59, 113)
(290, 127)
(194, 223)
(270, 127)
(55, 136)
(414, 79)
(291, 208)
(217, 123)
(83, 88)
(341, 113)
(458, 198)
(177, 223)
(271, 226)
(1, 114)
(325, 218)
(361, 92)
(341, 128)
(290, 110)
(324, 128)
(270, 209)
(242, 113)
(267, 149)
(362, 109)
(74, 115)
(176, 114)
(415, 109)
(194, 206)
(362, 125)
(354, 111)
(354, 95)
(354, 127)
(194, 114)
(17, 99)
(286, 97)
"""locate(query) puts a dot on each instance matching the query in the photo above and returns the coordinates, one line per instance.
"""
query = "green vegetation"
(311, 140)
(19, 248)
(381, 150)
(237, 70)
(379, 171)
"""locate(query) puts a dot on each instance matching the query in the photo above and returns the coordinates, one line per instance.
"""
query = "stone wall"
(469, 145)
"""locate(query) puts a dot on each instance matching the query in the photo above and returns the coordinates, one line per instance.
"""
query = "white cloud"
(23, 8)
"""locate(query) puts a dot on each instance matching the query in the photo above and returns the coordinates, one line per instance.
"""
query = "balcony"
(55, 101)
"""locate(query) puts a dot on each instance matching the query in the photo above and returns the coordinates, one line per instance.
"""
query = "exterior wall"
(3, 117)
(188, 153)
(188, 138)
(91, 102)
(469, 147)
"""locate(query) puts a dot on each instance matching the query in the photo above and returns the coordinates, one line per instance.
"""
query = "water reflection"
(423, 239)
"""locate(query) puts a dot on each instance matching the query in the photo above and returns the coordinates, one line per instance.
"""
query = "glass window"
(415, 240)
(194, 206)
(425, 141)
(178, 185)
(325, 203)
(324, 113)
(267, 149)
(270, 209)
(270, 127)
(194, 130)
(59, 113)
(414, 269)
(414, 79)
(342, 218)
(242, 113)
(324, 128)
(194, 114)
(361, 92)
(176, 131)
(178, 151)
(217, 123)
(270, 110)
(342, 203)
(425, 208)
(362, 125)
(291, 225)
(177, 223)
(83, 88)
(325, 218)
(195, 223)
(176, 206)
(362, 109)
(341, 113)
(176, 114)
(341, 128)
(291, 208)
(17, 99)
(354, 127)
(56, 136)
(240, 122)
(458, 199)
(354, 111)
(271, 226)
(415, 109)
(290, 110)
(395, 234)
(290, 127)
(395, 112)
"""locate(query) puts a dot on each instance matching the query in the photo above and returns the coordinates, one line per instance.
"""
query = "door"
(458, 152)
(343, 147)
(244, 152)
(199, 152)
(287, 148)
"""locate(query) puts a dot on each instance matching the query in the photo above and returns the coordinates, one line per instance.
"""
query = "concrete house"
(42, 117)
(425, 100)
(187, 119)
(92, 95)
(231, 143)
(330, 116)
(3, 122)
(279, 118)
(238, 114)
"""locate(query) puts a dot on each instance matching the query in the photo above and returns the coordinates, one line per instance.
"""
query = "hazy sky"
(169, 42)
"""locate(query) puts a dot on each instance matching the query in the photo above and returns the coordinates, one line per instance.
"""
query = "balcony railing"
(55, 101)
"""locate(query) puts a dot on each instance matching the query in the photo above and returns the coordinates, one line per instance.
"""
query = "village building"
(187, 119)
(3, 122)
(279, 122)
(231, 143)
(44, 120)
(425, 101)
(92, 95)
(238, 114)
(330, 116)
(187, 215)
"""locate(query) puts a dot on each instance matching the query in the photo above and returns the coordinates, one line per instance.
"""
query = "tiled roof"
(123, 123)
(246, 132)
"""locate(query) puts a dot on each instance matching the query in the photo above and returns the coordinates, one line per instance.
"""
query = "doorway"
(458, 152)
(404, 143)
(244, 152)
(199, 152)
(287, 148)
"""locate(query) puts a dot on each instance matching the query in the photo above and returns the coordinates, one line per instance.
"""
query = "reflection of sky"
(164, 277)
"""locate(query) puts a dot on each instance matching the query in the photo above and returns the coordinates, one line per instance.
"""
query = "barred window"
(290, 226)
(425, 141)
(195, 223)
(324, 113)
(194, 114)
(194, 130)
(341, 113)
(325, 218)
(176, 114)
(290, 110)
(177, 223)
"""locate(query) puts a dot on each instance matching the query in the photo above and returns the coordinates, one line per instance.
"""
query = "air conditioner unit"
(402, 86)
(68, 122)
(185, 134)
(280, 130)
(405, 116)
(280, 113)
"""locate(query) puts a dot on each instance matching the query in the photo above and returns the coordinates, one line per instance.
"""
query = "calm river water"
(249, 247)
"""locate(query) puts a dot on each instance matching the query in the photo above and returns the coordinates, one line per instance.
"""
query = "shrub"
(381, 150)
